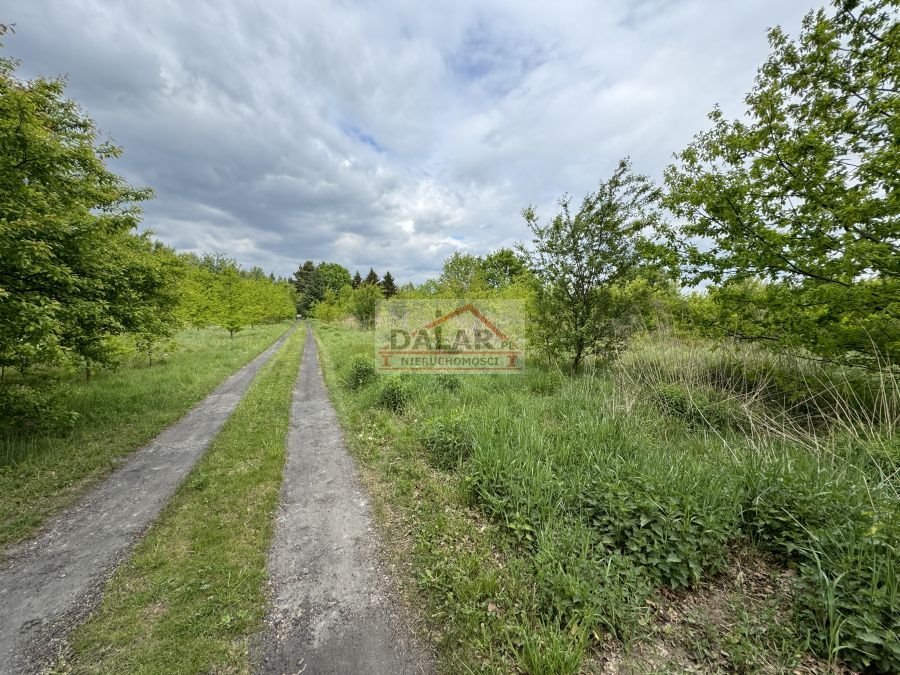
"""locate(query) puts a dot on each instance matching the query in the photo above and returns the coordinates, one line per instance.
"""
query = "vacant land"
(686, 509)
(195, 586)
(117, 412)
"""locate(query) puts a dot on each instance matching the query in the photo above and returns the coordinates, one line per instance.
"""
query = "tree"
(197, 299)
(502, 268)
(388, 285)
(371, 278)
(364, 304)
(800, 196)
(310, 286)
(232, 314)
(73, 271)
(580, 258)
(357, 280)
(462, 274)
(333, 276)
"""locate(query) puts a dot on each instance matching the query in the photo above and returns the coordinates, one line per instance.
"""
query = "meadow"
(684, 508)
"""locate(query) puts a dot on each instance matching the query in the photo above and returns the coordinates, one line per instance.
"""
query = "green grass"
(194, 589)
(547, 519)
(118, 411)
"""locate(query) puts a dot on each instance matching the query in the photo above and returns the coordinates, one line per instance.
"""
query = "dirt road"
(332, 610)
(50, 583)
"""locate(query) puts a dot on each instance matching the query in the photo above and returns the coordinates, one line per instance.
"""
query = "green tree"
(357, 280)
(800, 196)
(310, 286)
(371, 278)
(364, 304)
(462, 275)
(333, 276)
(73, 271)
(503, 267)
(232, 314)
(388, 286)
(580, 258)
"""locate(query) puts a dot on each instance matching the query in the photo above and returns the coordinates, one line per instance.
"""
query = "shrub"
(448, 441)
(26, 408)
(394, 395)
(360, 372)
(674, 535)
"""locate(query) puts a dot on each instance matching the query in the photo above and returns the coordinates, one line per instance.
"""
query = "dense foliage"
(801, 195)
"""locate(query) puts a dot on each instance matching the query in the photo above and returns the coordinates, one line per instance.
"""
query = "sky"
(387, 134)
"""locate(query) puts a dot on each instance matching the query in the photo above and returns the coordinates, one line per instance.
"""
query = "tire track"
(51, 582)
(331, 609)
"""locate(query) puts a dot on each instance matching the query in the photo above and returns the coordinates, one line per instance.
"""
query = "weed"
(448, 440)
(360, 372)
(394, 394)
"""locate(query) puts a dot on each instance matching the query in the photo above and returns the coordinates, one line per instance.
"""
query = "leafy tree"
(371, 278)
(503, 267)
(197, 300)
(388, 285)
(801, 195)
(364, 304)
(73, 271)
(462, 275)
(357, 280)
(232, 312)
(580, 258)
(333, 276)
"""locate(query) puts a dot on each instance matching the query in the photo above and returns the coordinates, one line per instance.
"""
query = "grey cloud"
(387, 134)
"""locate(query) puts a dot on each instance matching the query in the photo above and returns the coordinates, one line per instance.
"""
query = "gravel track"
(332, 608)
(51, 582)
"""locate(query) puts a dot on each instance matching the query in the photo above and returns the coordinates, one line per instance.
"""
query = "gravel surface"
(332, 608)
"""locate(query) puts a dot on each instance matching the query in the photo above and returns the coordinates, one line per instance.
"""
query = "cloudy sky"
(390, 133)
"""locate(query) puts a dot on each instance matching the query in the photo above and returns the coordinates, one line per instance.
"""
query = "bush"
(394, 395)
(360, 372)
(673, 534)
(448, 441)
(26, 408)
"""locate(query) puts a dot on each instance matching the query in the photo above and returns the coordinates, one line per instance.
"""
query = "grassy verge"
(557, 524)
(194, 589)
(118, 411)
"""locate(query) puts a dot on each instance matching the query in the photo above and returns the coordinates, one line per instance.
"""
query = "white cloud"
(387, 134)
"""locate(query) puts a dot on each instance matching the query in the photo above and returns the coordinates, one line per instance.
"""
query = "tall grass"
(607, 487)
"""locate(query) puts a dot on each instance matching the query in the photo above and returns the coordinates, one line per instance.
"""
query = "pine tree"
(371, 278)
(388, 285)
(357, 280)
